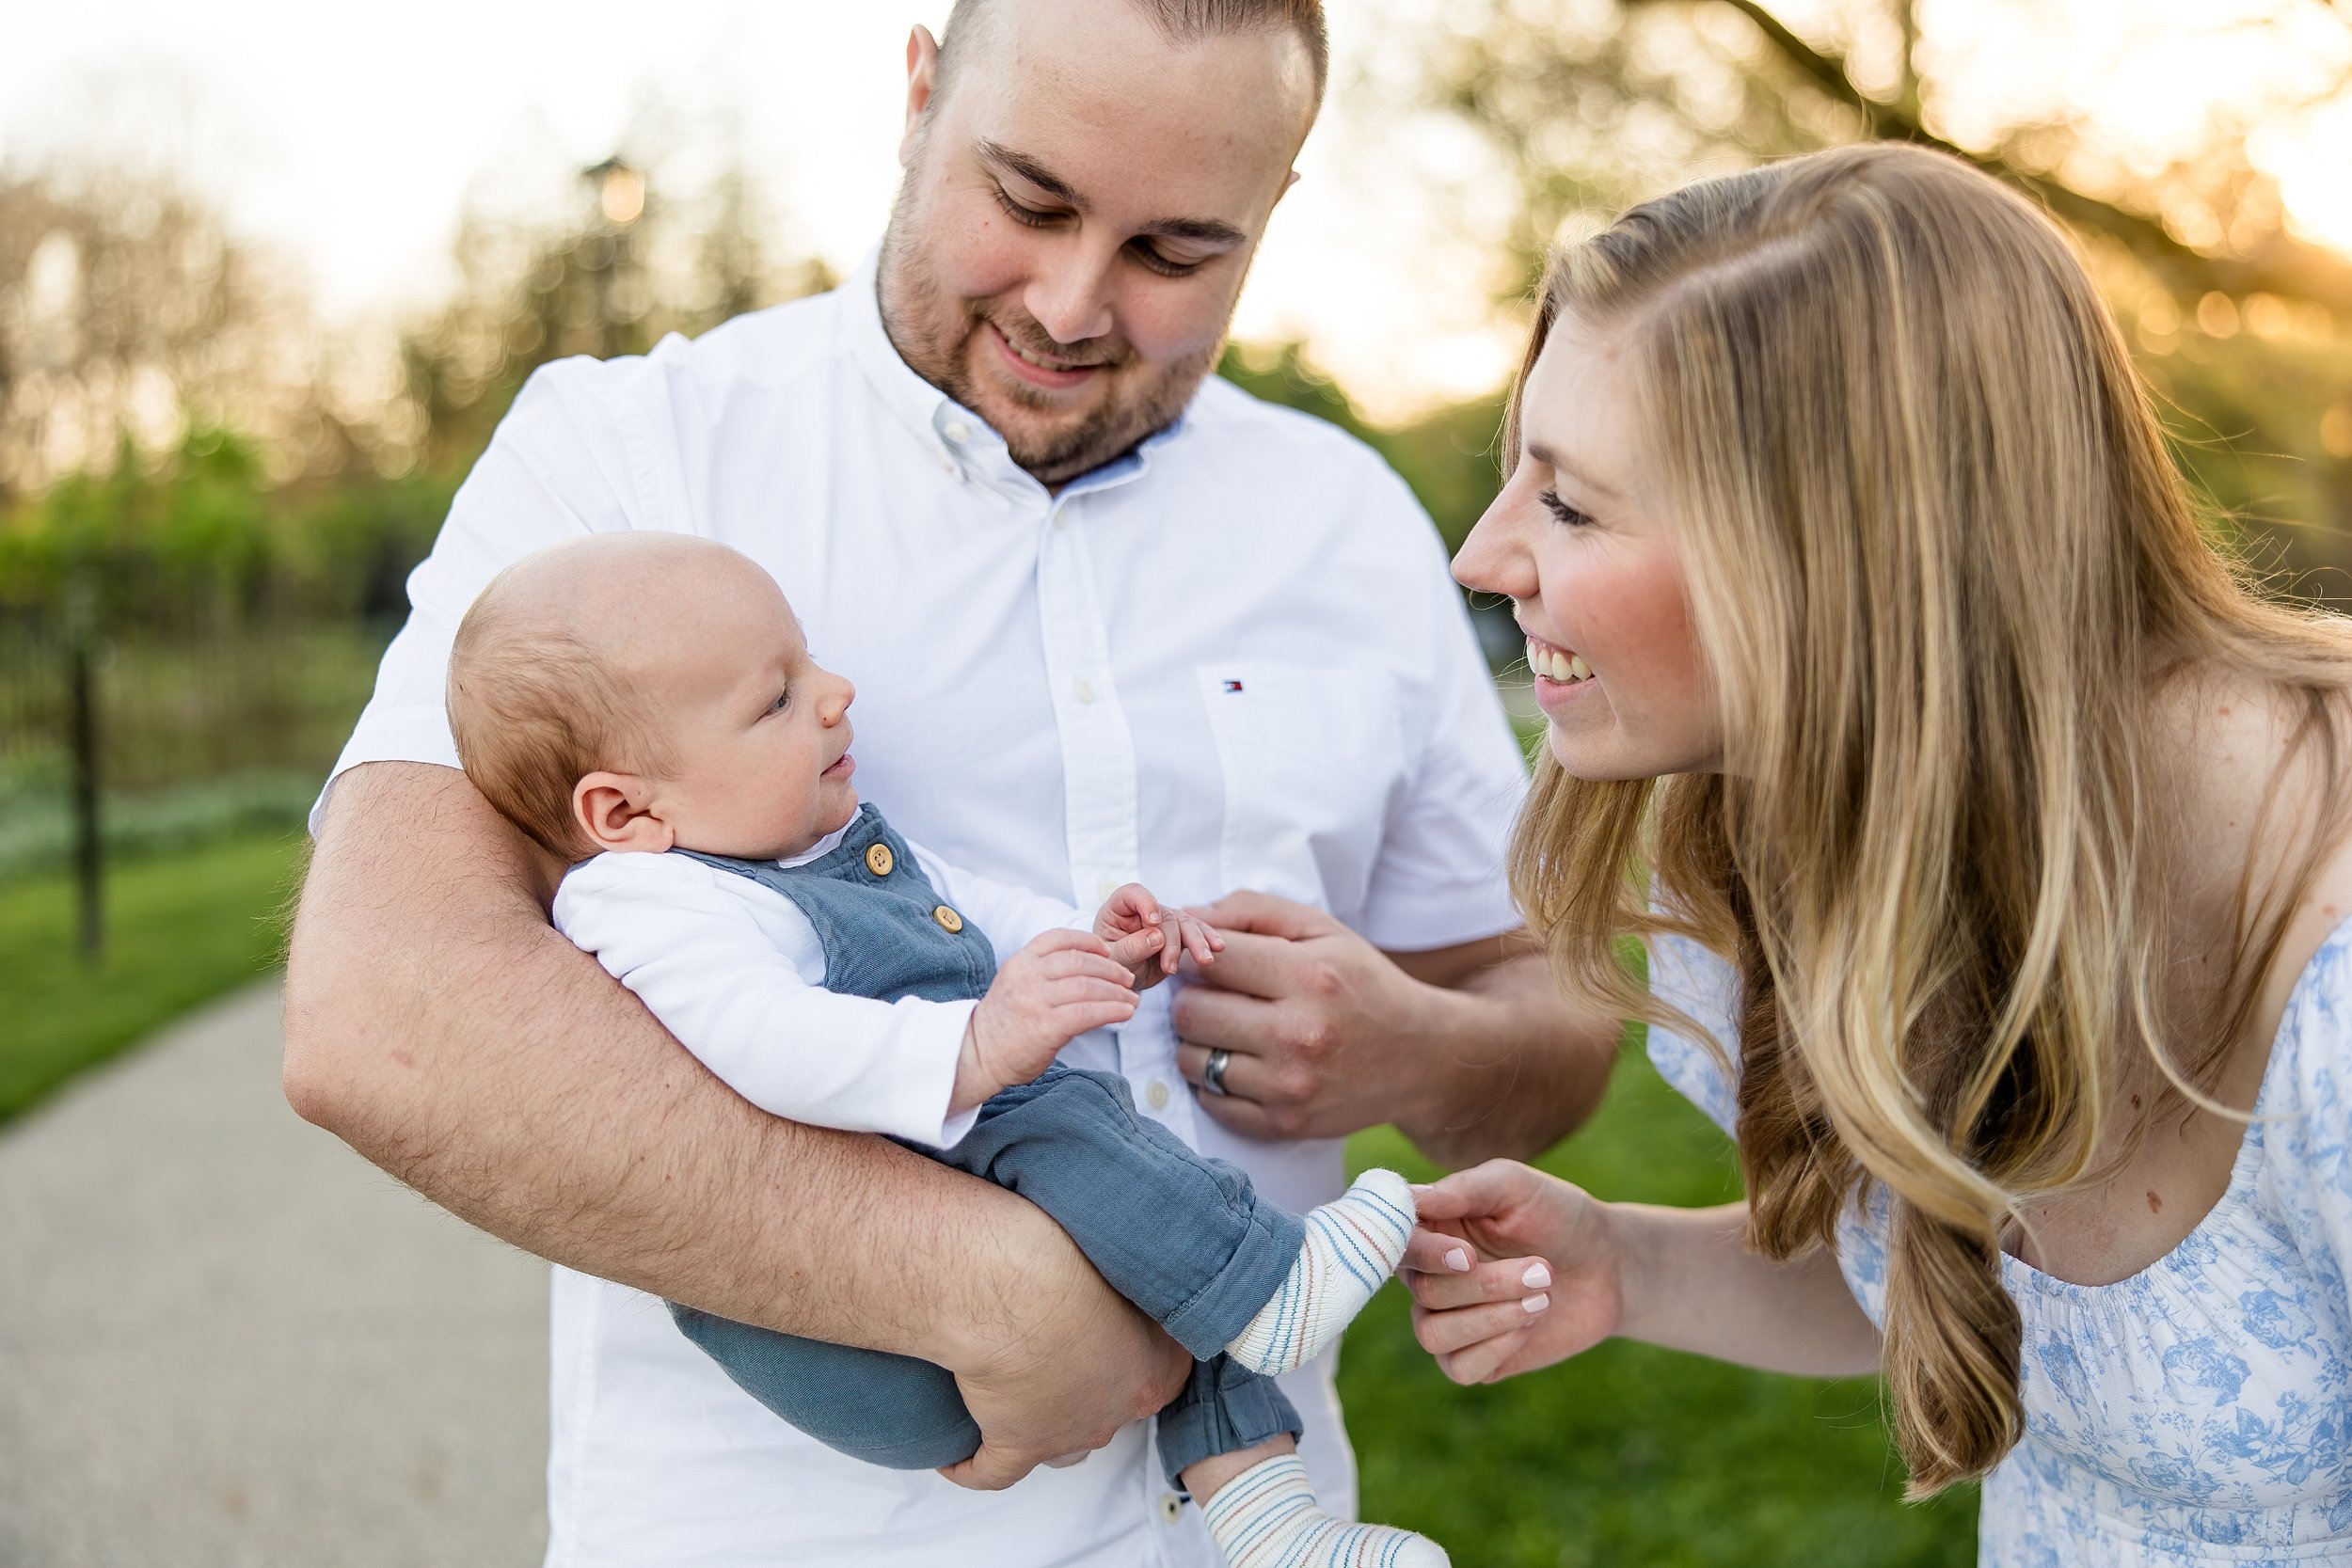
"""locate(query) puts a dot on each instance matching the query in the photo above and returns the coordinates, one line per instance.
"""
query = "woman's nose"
(1492, 561)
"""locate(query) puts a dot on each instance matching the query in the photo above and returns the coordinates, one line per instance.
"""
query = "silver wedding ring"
(1213, 1076)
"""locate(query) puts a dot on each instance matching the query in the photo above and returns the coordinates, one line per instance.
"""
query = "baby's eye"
(782, 698)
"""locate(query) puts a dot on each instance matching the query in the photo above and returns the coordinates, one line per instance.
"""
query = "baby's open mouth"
(1556, 664)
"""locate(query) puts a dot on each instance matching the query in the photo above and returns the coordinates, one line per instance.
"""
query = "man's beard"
(931, 332)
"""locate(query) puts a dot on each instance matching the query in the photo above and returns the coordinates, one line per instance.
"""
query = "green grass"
(179, 931)
(1630, 1455)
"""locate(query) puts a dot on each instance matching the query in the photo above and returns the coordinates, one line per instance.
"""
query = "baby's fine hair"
(534, 709)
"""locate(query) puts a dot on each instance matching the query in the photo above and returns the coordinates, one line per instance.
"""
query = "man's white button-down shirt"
(1229, 659)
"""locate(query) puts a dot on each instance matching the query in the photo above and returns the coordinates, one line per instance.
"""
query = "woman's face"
(1595, 576)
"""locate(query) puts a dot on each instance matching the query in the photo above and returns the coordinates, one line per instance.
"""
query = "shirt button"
(949, 921)
(879, 859)
(1171, 1507)
(1084, 689)
(1157, 1095)
(956, 433)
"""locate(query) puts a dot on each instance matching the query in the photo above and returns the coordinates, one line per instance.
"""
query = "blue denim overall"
(1181, 1235)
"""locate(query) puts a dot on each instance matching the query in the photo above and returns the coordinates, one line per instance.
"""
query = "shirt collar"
(822, 848)
(959, 439)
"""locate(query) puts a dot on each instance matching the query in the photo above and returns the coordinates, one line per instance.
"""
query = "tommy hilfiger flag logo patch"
(1232, 686)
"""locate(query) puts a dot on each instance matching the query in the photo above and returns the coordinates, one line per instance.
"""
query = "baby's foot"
(1352, 1245)
(1266, 1516)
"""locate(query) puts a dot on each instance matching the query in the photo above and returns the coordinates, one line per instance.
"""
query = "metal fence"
(133, 740)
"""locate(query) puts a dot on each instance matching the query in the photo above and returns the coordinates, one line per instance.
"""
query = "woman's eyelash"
(1562, 511)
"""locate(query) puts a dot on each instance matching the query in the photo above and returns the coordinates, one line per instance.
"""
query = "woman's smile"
(1561, 677)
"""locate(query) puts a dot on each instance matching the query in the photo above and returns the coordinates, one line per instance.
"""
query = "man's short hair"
(535, 709)
(1181, 21)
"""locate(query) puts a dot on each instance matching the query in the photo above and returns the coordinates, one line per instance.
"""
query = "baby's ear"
(615, 811)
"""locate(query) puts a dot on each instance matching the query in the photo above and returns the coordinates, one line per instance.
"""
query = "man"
(1110, 619)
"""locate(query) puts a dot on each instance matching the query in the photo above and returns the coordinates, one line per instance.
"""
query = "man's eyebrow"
(1199, 230)
(1205, 231)
(1553, 460)
(1034, 172)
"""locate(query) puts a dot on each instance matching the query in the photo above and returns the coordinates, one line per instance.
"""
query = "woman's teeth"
(1550, 662)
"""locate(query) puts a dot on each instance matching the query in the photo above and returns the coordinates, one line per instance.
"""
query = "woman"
(1970, 803)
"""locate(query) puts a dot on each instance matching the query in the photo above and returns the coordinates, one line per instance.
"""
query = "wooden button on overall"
(949, 921)
(879, 859)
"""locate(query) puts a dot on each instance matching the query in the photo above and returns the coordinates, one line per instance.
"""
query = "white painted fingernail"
(1536, 1276)
(1459, 1260)
(1533, 1304)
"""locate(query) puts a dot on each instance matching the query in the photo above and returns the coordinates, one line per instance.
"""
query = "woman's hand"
(1511, 1270)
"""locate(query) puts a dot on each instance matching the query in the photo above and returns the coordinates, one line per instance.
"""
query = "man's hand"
(1058, 1371)
(1471, 1051)
(1046, 995)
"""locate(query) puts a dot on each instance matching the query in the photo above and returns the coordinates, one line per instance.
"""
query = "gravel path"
(225, 1339)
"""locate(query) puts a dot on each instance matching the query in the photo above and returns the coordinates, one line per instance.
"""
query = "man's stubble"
(931, 331)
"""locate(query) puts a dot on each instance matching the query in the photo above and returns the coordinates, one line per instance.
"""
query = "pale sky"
(349, 137)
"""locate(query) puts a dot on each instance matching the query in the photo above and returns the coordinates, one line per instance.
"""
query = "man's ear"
(922, 79)
(615, 811)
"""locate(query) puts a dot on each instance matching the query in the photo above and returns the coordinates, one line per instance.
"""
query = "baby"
(644, 705)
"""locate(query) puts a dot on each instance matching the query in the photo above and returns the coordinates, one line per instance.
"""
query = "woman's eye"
(1562, 511)
(1028, 217)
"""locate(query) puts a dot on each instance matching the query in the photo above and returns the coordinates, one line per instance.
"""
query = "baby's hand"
(1149, 939)
(1046, 995)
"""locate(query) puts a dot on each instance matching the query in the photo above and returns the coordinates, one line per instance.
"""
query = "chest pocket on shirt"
(1312, 756)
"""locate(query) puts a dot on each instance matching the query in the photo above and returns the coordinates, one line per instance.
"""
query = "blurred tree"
(621, 264)
(129, 316)
(1598, 103)
(2244, 327)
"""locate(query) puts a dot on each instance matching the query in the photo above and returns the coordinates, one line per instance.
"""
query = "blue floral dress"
(2200, 1411)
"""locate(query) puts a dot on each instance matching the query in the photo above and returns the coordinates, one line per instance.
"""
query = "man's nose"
(1072, 300)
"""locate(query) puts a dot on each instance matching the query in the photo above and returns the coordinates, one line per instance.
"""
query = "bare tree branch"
(2286, 266)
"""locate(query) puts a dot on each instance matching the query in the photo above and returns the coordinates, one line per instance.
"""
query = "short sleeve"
(558, 466)
(2305, 1117)
(1703, 987)
(1439, 880)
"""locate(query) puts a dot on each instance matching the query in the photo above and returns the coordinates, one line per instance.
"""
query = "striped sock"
(1352, 1245)
(1267, 1517)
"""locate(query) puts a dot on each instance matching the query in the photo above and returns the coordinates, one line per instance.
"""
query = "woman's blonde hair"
(1939, 563)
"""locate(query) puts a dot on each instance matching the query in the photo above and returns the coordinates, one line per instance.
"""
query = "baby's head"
(649, 691)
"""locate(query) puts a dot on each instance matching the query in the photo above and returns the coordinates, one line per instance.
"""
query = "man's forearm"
(1511, 1068)
(434, 1022)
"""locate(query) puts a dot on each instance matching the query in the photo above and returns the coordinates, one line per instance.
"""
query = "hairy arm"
(438, 1024)
(1512, 1068)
